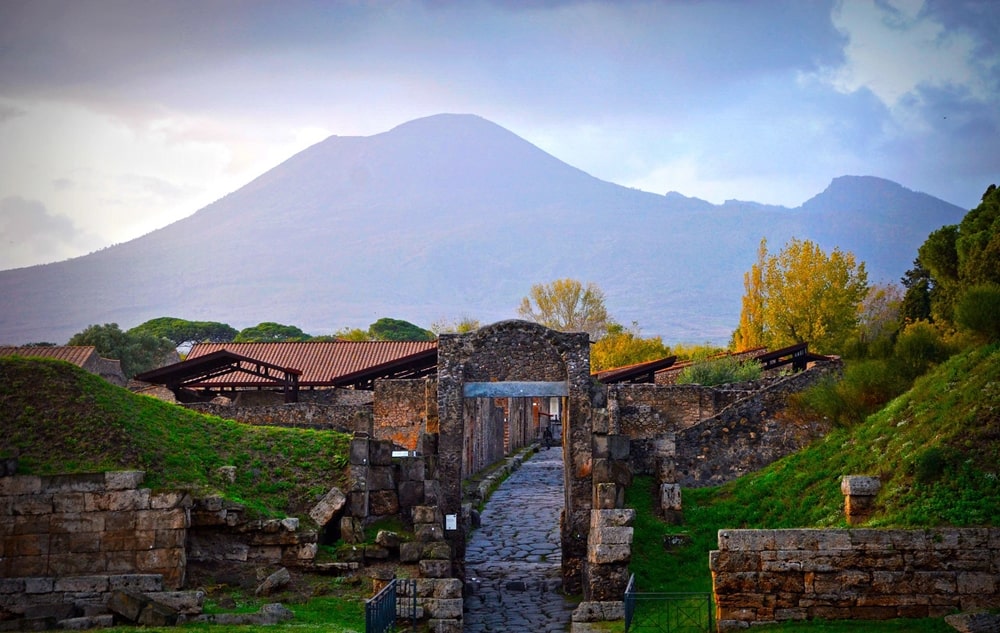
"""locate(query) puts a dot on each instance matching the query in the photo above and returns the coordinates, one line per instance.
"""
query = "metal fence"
(667, 612)
(385, 607)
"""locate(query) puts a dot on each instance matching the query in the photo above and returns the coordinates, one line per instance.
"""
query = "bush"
(864, 389)
(720, 371)
(920, 346)
(978, 311)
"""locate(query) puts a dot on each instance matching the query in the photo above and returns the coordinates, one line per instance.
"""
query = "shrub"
(920, 346)
(978, 311)
(720, 371)
(865, 387)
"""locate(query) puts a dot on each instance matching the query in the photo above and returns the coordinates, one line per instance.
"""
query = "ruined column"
(859, 497)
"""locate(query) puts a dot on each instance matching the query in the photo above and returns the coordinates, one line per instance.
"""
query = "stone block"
(84, 623)
(34, 524)
(57, 611)
(410, 552)
(670, 497)
(388, 539)
(381, 478)
(358, 504)
(977, 583)
(376, 552)
(427, 532)
(412, 469)
(169, 500)
(599, 611)
(359, 451)
(383, 502)
(140, 583)
(13, 566)
(184, 602)
(381, 453)
(859, 485)
(608, 496)
(32, 504)
(437, 549)
(447, 588)
(127, 604)
(411, 493)
(611, 535)
(123, 479)
(435, 568)
(622, 517)
(331, 503)
(427, 514)
(20, 485)
(444, 625)
(31, 585)
(443, 608)
(603, 554)
(157, 615)
(68, 502)
(352, 530)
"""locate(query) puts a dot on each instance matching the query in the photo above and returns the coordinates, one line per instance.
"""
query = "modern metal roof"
(637, 373)
(328, 363)
(76, 354)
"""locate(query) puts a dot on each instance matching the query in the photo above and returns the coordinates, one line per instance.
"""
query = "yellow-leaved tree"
(566, 305)
(621, 346)
(801, 295)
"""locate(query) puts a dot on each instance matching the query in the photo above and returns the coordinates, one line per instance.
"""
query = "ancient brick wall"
(220, 531)
(776, 575)
(747, 435)
(346, 418)
(403, 409)
(103, 524)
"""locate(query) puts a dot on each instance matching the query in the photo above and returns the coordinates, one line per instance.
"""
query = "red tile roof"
(76, 354)
(321, 363)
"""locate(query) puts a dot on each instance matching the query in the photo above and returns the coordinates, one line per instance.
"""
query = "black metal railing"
(396, 600)
(667, 612)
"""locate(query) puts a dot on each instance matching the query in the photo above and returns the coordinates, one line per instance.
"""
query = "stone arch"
(503, 358)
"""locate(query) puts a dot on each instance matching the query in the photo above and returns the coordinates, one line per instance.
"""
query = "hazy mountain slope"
(447, 216)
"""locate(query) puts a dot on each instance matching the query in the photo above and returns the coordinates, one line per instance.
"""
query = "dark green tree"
(271, 332)
(137, 352)
(183, 332)
(917, 298)
(962, 256)
(386, 329)
(978, 312)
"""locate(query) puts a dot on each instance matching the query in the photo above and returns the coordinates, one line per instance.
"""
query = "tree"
(271, 332)
(568, 306)
(978, 312)
(880, 310)
(462, 325)
(184, 333)
(352, 334)
(621, 346)
(750, 333)
(916, 304)
(963, 256)
(386, 329)
(137, 352)
(804, 295)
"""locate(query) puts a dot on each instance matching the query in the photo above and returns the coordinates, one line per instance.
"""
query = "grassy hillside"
(60, 419)
(936, 449)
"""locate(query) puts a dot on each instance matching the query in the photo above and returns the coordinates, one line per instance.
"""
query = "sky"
(118, 117)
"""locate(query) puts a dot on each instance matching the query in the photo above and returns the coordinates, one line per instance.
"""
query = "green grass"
(936, 449)
(60, 419)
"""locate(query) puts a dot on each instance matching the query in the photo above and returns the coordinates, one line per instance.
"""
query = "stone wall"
(347, 418)
(775, 575)
(749, 434)
(403, 409)
(100, 526)
(221, 532)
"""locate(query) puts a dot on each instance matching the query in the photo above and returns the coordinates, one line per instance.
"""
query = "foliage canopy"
(271, 332)
(138, 352)
(566, 305)
(801, 295)
(183, 332)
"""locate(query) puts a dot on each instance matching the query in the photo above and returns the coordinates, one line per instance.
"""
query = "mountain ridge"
(447, 216)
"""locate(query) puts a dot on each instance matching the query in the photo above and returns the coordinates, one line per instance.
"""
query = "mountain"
(451, 216)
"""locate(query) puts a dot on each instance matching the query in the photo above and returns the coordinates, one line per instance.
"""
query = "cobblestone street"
(513, 562)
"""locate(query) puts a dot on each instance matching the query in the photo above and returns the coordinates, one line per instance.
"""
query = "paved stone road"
(513, 562)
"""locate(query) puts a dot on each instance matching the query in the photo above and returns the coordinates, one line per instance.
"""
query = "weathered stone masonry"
(775, 575)
(78, 537)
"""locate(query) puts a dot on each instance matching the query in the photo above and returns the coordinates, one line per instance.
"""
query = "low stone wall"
(221, 532)
(347, 418)
(749, 434)
(776, 575)
(403, 409)
(95, 525)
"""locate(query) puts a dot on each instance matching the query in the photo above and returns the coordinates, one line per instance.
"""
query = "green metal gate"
(660, 612)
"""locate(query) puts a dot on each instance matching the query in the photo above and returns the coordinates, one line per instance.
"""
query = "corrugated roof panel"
(76, 354)
(320, 362)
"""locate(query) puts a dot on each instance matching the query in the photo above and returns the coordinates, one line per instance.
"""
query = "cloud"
(30, 234)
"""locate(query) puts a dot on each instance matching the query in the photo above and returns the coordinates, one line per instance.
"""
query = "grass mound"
(936, 449)
(59, 419)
